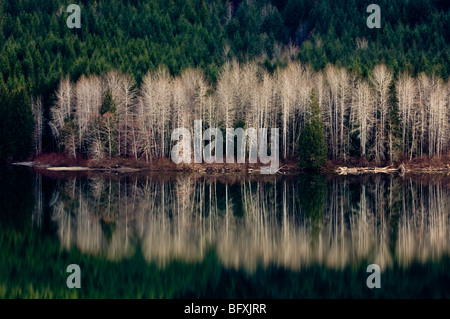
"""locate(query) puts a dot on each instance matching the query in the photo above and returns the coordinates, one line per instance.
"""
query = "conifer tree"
(108, 123)
(312, 145)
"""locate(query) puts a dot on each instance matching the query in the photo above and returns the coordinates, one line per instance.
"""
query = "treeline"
(379, 118)
(16, 122)
(137, 36)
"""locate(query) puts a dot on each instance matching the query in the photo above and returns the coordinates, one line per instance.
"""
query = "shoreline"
(253, 169)
(120, 165)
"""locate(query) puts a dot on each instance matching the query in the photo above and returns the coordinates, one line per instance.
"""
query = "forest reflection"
(291, 222)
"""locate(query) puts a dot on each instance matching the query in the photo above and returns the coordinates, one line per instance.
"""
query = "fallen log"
(368, 170)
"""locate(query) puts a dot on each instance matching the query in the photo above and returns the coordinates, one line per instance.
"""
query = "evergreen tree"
(36, 48)
(107, 125)
(108, 104)
(16, 124)
(312, 145)
(4, 102)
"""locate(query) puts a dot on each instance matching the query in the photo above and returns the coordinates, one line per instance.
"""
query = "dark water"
(183, 236)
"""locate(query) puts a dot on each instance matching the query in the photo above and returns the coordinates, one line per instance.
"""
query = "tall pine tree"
(312, 145)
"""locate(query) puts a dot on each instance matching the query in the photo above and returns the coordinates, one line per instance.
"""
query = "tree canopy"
(37, 48)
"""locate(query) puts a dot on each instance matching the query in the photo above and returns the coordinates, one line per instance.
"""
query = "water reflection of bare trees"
(289, 223)
(424, 228)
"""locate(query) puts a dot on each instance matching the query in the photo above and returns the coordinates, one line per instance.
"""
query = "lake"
(203, 236)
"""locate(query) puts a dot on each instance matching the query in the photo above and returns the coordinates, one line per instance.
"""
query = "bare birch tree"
(123, 90)
(62, 109)
(338, 99)
(406, 95)
(381, 79)
(362, 113)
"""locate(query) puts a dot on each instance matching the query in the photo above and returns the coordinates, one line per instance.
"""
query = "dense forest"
(384, 95)
(107, 116)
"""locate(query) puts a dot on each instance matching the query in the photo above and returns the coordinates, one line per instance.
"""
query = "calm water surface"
(185, 236)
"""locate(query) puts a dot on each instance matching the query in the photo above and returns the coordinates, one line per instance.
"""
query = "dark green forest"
(137, 36)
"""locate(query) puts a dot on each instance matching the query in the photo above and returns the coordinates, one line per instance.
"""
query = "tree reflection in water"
(290, 222)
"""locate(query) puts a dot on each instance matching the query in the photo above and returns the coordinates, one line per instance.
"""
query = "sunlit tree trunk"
(381, 79)
(406, 95)
(362, 111)
(62, 109)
